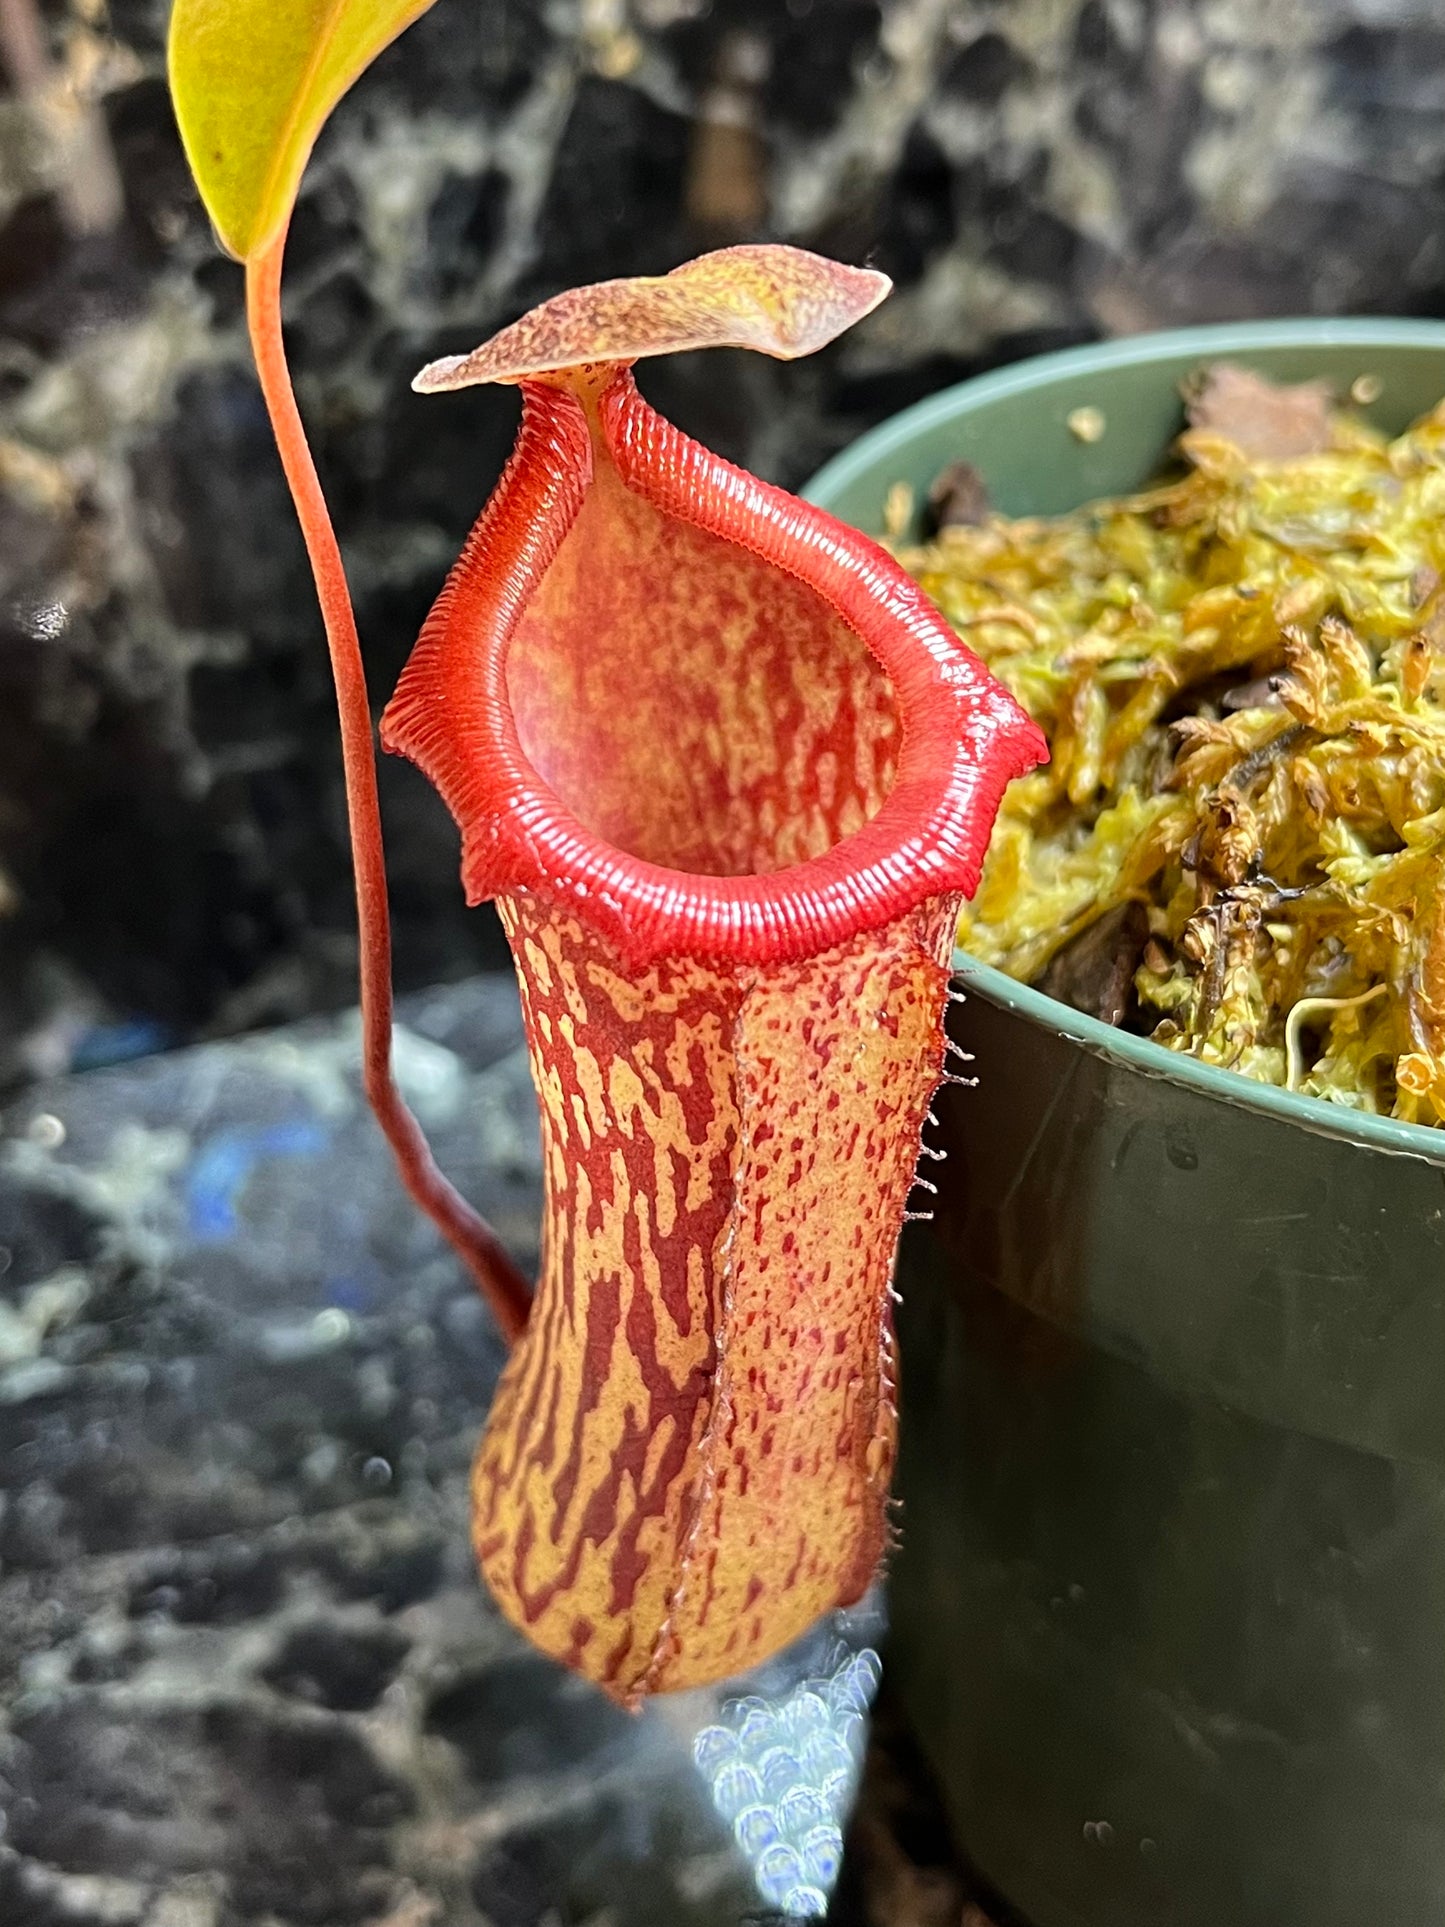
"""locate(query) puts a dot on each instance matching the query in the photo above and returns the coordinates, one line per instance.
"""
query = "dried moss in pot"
(1239, 672)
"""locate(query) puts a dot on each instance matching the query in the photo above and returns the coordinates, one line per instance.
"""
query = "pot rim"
(1315, 1115)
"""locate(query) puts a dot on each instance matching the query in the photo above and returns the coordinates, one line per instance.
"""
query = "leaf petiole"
(478, 1246)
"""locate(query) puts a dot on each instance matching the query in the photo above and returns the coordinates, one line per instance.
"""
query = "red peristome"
(691, 609)
(728, 775)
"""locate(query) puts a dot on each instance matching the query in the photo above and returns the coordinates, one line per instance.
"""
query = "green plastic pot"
(1169, 1610)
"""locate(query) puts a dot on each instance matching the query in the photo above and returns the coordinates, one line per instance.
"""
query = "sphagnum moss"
(1240, 675)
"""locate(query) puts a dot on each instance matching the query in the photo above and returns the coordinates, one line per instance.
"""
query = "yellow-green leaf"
(253, 82)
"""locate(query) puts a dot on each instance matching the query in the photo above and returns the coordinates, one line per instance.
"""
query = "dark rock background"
(1032, 172)
(248, 1676)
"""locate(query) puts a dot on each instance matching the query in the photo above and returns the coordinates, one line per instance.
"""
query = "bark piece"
(1267, 421)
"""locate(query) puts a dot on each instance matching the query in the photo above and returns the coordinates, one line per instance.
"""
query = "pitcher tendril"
(253, 84)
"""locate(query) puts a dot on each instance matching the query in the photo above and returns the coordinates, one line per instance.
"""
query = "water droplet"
(712, 1748)
(778, 1872)
(804, 1713)
(376, 1472)
(854, 1684)
(736, 1787)
(755, 1830)
(822, 1754)
(867, 1669)
(46, 1130)
(780, 1770)
(822, 1851)
(753, 1719)
(801, 1809)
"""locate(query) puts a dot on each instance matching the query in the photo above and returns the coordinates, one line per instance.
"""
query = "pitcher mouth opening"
(714, 719)
(764, 732)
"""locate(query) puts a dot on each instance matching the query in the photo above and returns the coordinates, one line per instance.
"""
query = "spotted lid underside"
(779, 300)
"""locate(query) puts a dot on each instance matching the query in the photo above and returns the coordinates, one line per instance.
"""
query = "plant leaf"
(253, 82)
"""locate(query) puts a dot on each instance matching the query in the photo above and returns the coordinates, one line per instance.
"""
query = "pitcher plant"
(727, 776)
